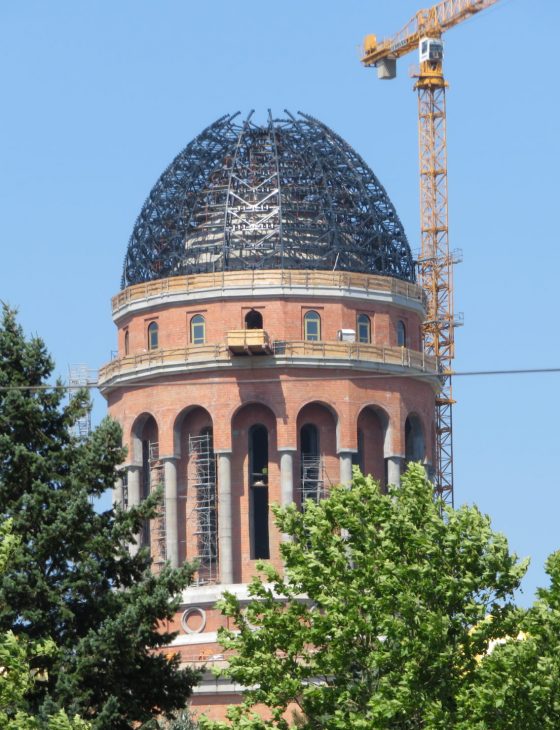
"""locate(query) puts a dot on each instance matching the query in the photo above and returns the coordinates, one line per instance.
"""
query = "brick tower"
(268, 339)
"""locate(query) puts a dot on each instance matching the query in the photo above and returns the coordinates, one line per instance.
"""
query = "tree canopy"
(518, 681)
(381, 616)
(73, 580)
(16, 676)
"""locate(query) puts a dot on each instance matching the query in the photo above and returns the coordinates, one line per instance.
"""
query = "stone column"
(133, 480)
(224, 517)
(286, 476)
(170, 504)
(286, 479)
(394, 470)
(118, 492)
(345, 458)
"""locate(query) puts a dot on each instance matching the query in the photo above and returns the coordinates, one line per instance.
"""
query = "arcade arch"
(255, 482)
(372, 437)
(317, 464)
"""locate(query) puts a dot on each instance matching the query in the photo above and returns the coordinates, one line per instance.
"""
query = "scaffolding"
(81, 376)
(312, 478)
(204, 516)
(154, 531)
(289, 194)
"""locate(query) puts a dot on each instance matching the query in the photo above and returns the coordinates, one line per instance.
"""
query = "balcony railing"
(255, 279)
(355, 351)
(292, 352)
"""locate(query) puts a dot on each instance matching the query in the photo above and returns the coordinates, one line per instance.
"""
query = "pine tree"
(16, 676)
(74, 580)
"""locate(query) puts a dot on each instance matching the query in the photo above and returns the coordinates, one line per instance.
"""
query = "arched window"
(253, 320)
(198, 330)
(364, 328)
(415, 448)
(309, 440)
(401, 334)
(312, 326)
(126, 342)
(153, 336)
(258, 483)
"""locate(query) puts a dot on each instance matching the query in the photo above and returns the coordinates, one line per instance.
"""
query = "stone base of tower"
(197, 623)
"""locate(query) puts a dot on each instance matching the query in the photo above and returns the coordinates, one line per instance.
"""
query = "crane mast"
(435, 265)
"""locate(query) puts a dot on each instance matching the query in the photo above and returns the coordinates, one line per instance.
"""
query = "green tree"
(184, 720)
(371, 626)
(518, 681)
(16, 676)
(74, 580)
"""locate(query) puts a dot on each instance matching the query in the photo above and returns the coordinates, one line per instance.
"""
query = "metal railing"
(281, 351)
(255, 279)
(356, 351)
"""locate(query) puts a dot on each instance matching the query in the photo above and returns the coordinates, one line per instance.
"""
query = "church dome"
(290, 194)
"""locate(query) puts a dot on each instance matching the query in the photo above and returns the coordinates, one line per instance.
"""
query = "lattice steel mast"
(435, 265)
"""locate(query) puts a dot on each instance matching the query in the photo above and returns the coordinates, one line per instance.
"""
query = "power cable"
(229, 381)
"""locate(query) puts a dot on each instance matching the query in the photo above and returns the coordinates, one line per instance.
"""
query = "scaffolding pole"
(312, 478)
(204, 515)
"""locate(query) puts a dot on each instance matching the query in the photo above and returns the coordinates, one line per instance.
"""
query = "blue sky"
(98, 97)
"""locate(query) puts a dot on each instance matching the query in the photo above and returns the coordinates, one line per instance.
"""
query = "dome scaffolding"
(291, 194)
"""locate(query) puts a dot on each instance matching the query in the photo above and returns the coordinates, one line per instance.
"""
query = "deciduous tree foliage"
(74, 580)
(380, 616)
(518, 681)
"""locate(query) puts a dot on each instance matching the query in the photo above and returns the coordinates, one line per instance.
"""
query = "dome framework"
(291, 194)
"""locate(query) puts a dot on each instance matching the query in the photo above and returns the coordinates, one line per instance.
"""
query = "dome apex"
(290, 194)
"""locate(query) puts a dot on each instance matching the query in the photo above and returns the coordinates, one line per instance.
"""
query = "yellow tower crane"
(435, 264)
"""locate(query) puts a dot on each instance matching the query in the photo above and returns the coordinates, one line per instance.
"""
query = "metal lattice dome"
(290, 194)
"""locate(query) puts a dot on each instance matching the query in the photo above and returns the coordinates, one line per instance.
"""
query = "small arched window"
(312, 326)
(364, 328)
(153, 339)
(401, 334)
(198, 330)
(253, 320)
(126, 343)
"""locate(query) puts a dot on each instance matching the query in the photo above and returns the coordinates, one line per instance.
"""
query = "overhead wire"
(247, 381)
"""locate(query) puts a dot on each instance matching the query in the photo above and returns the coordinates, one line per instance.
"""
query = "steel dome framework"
(290, 194)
